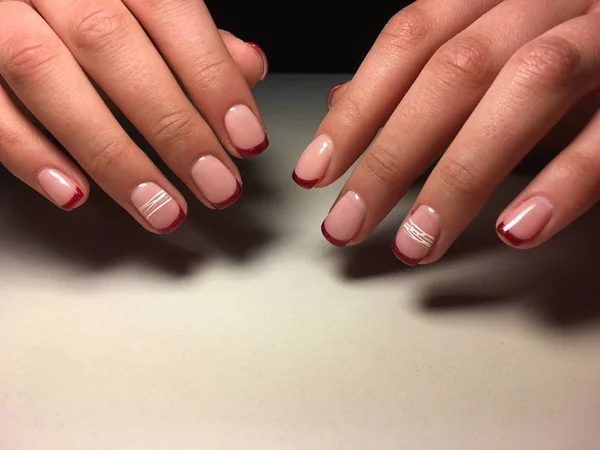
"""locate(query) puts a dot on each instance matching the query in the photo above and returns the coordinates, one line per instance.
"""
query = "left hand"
(491, 78)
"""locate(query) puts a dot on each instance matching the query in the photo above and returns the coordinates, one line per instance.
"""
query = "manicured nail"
(216, 182)
(245, 131)
(417, 235)
(263, 56)
(526, 221)
(344, 220)
(313, 163)
(60, 188)
(332, 91)
(156, 206)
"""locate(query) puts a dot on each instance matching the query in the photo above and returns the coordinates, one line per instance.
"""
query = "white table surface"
(246, 330)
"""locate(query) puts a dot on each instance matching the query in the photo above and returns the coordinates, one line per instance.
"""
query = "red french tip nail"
(231, 200)
(402, 257)
(331, 239)
(331, 92)
(77, 197)
(263, 56)
(176, 223)
(306, 184)
(254, 151)
(508, 236)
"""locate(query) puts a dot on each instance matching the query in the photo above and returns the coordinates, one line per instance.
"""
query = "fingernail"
(344, 220)
(245, 131)
(60, 188)
(263, 56)
(161, 211)
(526, 221)
(313, 163)
(216, 182)
(332, 91)
(417, 235)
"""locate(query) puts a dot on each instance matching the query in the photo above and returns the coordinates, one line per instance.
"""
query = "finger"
(187, 37)
(30, 156)
(567, 188)
(441, 100)
(249, 57)
(391, 66)
(103, 34)
(47, 79)
(335, 94)
(536, 88)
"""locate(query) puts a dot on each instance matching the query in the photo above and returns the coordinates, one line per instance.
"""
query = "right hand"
(49, 48)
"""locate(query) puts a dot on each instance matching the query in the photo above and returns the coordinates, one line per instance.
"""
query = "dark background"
(327, 36)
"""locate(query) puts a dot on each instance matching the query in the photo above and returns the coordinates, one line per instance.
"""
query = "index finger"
(401, 51)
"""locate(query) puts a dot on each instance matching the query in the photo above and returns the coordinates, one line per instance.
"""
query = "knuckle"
(174, 126)
(97, 27)
(352, 109)
(466, 62)
(210, 71)
(165, 5)
(11, 138)
(27, 56)
(455, 174)
(109, 155)
(548, 63)
(407, 29)
(583, 166)
(383, 164)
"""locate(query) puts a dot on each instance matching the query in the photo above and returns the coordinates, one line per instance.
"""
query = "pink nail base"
(254, 151)
(508, 236)
(231, 200)
(72, 203)
(331, 239)
(306, 184)
(176, 223)
(402, 257)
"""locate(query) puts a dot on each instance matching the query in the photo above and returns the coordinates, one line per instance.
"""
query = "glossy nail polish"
(417, 235)
(313, 163)
(344, 220)
(159, 209)
(216, 182)
(245, 131)
(263, 56)
(526, 221)
(60, 188)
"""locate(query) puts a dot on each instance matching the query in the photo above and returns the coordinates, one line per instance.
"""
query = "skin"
(474, 85)
(174, 79)
(493, 76)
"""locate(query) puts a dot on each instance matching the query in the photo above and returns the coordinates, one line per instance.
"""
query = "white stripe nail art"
(417, 234)
(153, 205)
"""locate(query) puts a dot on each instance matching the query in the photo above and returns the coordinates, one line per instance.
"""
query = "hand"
(491, 78)
(136, 52)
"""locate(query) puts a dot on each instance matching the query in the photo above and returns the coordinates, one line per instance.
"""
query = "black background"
(327, 36)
